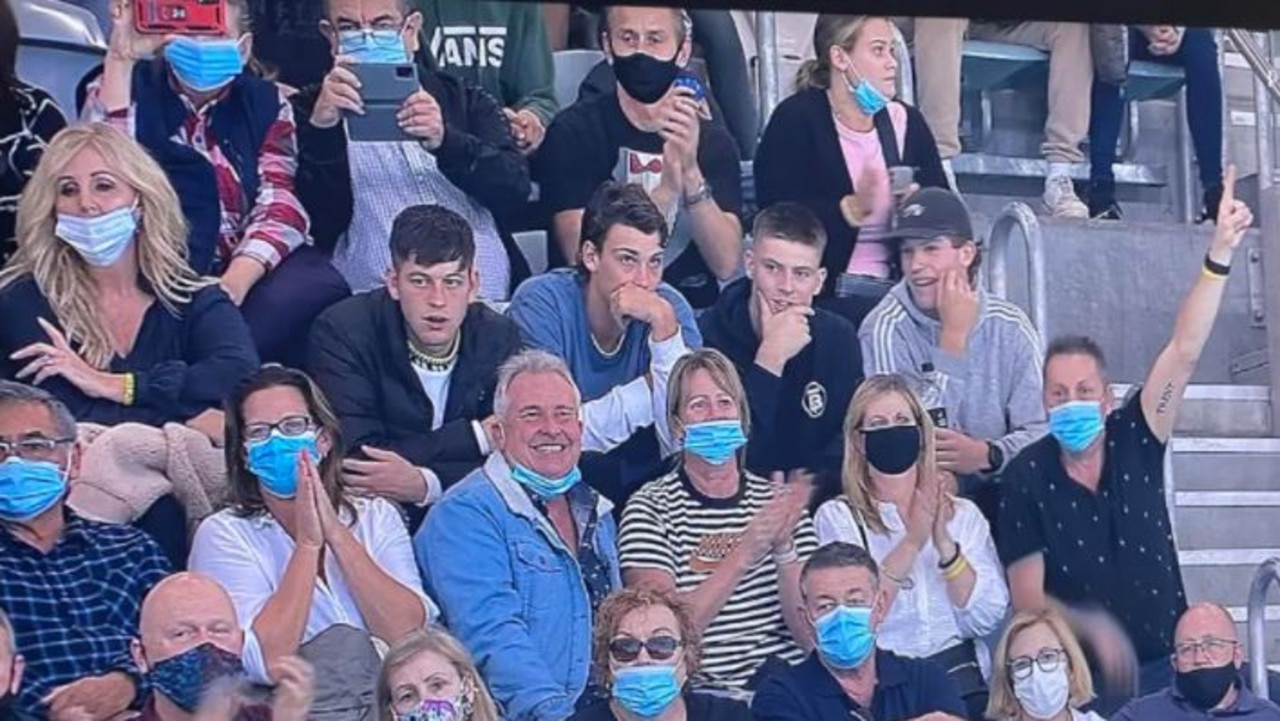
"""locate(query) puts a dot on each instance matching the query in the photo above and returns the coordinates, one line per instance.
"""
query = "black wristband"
(1215, 267)
(944, 565)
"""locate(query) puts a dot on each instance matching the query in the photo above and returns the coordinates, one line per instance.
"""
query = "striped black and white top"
(668, 525)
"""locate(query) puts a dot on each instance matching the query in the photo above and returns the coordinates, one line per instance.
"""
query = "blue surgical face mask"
(184, 679)
(29, 488)
(1076, 424)
(868, 97)
(646, 691)
(714, 441)
(275, 461)
(542, 486)
(99, 239)
(204, 65)
(376, 47)
(845, 638)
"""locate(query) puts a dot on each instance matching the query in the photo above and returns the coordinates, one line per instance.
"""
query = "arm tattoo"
(1166, 396)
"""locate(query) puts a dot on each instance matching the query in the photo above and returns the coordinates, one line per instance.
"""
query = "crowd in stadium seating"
(789, 466)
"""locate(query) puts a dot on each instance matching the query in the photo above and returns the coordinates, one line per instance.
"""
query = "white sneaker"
(1061, 200)
(951, 176)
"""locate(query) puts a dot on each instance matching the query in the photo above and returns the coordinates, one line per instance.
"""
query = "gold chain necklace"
(431, 363)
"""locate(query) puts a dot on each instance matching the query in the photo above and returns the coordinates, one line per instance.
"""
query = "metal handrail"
(1255, 58)
(1019, 215)
(767, 68)
(1267, 573)
(906, 73)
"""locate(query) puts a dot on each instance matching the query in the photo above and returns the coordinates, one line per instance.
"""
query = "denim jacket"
(512, 592)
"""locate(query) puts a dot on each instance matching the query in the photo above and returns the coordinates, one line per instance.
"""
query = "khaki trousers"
(937, 44)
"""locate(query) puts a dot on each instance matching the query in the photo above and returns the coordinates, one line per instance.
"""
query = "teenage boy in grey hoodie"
(974, 356)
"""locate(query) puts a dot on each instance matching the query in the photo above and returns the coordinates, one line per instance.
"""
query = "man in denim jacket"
(521, 553)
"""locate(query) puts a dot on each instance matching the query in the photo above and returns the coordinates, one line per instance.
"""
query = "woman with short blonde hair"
(1039, 671)
(100, 306)
(729, 543)
(429, 671)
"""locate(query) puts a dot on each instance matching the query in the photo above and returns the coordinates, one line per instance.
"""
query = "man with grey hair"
(72, 587)
(11, 667)
(521, 553)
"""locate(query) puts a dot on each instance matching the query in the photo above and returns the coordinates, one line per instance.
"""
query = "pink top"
(860, 150)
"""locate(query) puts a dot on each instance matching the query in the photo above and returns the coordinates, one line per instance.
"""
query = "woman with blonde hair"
(943, 583)
(831, 146)
(1039, 672)
(100, 306)
(727, 541)
(429, 676)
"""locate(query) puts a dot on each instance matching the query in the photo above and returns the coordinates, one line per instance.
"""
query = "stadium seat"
(1153, 81)
(571, 66)
(995, 66)
(58, 44)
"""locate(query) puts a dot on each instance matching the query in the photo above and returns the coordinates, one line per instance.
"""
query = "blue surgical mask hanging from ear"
(868, 97)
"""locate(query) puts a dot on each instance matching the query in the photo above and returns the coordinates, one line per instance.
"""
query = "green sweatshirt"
(500, 46)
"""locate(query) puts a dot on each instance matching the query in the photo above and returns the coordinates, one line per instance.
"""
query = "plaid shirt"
(75, 609)
(273, 224)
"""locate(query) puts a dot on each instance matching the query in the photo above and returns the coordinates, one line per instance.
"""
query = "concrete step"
(1224, 411)
(1226, 464)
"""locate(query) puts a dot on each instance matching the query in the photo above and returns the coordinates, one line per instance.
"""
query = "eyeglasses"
(32, 449)
(626, 649)
(1215, 650)
(290, 426)
(1049, 659)
(379, 34)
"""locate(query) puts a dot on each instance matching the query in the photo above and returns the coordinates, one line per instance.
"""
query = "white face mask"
(1043, 694)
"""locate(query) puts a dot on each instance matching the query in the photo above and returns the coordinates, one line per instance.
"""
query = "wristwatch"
(995, 457)
(702, 193)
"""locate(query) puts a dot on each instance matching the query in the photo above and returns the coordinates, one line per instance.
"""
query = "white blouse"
(248, 556)
(923, 620)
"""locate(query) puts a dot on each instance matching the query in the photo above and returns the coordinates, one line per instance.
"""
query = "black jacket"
(799, 159)
(477, 155)
(796, 420)
(359, 356)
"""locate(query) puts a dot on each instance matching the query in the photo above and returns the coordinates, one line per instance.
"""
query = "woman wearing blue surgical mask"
(728, 542)
(1039, 672)
(101, 308)
(646, 648)
(227, 140)
(943, 584)
(313, 569)
(831, 146)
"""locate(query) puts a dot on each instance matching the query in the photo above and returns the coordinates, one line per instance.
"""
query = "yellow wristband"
(130, 388)
(956, 569)
(1210, 274)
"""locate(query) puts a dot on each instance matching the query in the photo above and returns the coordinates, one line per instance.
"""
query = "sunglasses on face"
(626, 649)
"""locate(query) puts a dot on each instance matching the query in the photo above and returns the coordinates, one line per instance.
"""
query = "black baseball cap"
(932, 213)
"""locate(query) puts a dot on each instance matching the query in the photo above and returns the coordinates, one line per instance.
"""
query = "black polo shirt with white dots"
(1113, 548)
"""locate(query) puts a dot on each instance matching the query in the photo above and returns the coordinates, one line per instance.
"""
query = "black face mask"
(645, 77)
(894, 449)
(1204, 688)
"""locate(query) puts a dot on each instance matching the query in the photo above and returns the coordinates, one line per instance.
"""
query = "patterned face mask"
(439, 709)
(184, 678)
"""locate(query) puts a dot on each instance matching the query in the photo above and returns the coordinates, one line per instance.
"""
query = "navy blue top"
(905, 688)
(1169, 705)
(183, 364)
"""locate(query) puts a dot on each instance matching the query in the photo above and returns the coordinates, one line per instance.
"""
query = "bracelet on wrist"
(944, 565)
(905, 583)
(1214, 268)
(787, 557)
(956, 570)
(130, 389)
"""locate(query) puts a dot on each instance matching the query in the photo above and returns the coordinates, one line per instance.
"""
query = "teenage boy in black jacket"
(410, 369)
(457, 151)
(800, 364)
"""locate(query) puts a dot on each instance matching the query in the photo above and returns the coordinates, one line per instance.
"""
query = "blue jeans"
(1198, 57)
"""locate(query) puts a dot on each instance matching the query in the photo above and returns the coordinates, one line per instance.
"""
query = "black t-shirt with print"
(592, 141)
(1113, 548)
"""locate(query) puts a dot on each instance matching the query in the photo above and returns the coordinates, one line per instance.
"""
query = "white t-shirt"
(248, 556)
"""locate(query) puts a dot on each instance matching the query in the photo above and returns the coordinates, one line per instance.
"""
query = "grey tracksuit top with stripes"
(993, 392)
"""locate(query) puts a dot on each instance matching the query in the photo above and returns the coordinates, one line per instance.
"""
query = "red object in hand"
(181, 17)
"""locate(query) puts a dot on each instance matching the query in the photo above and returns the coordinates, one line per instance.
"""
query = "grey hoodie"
(993, 393)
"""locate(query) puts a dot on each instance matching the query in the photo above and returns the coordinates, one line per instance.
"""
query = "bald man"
(190, 647)
(1207, 657)
(11, 666)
